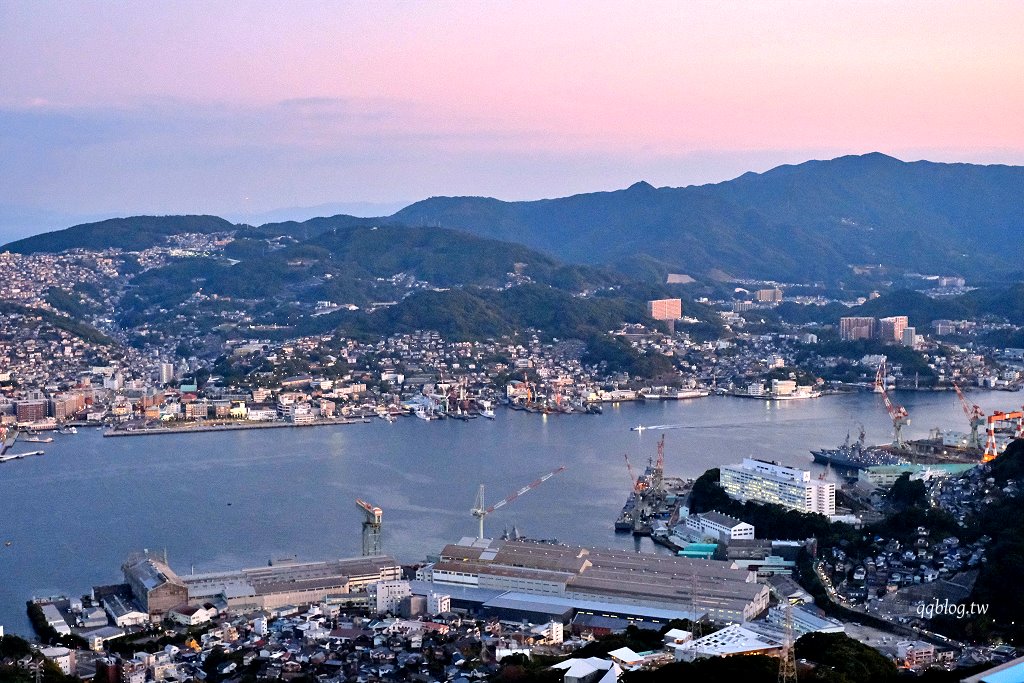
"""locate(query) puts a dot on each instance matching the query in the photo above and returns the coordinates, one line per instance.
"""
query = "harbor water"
(232, 499)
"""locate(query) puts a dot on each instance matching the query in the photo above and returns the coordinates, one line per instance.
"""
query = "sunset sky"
(241, 108)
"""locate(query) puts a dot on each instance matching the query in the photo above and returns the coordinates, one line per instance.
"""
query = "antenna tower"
(787, 658)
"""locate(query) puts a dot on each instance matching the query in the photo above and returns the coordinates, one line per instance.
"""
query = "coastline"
(228, 427)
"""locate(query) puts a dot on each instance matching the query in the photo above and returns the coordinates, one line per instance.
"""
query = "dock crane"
(371, 527)
(880, 377)
(659, 466)
(899, 416)
(480, 512)
(639, 486)
(975, 417)
(991, 447)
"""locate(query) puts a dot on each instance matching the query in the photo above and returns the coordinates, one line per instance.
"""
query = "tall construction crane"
(659, 466)
(371, 527)
(899, 416)
(975, 417)
(480, 512)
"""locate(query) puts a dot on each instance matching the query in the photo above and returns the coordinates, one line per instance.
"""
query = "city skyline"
(114, 110)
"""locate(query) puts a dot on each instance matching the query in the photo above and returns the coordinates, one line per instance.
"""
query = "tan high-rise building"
(890, 330)
(773, 295)
(856, 327)
(665, 309)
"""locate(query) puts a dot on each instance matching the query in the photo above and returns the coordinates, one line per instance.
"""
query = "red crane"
(638, 483)
(480, 512)
(899, 416)
(975, 417)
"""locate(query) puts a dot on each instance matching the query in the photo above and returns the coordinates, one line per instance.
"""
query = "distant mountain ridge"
(804, 222)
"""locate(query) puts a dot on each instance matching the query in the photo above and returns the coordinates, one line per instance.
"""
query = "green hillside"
(132, 234)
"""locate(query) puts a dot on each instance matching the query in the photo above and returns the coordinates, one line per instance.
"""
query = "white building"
(261, 414)
(191, 615)
(300, 413)
(259, 626)
(438, 603)
(123, 613)
(166, 373)
(719, 527)
(770, 482)
(62, 657)
(389, 595)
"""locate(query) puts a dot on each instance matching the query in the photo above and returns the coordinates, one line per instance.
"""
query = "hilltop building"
(665, 309)
(772, 296)
(770, 482)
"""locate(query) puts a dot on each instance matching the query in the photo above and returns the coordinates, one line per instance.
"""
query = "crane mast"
(899, 416)
(371, 527)
(975, 417)
(480, 512)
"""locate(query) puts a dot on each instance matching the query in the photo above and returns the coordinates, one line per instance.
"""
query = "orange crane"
(991, 447)
(371, 527)
(480, 512)
(975, 417)
(899, 416)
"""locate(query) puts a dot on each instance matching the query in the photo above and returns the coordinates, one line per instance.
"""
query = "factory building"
(290, 583)
(570, 576)
(154, 585)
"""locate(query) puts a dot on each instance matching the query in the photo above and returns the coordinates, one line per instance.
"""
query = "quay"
(18, 456)
(6, 443)
(228, 427)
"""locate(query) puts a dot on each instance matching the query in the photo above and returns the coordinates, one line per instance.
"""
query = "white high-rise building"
(389, 595)
(166, 373)
(770, 482)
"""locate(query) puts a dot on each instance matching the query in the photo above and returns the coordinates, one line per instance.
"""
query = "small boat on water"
(638, 428)
(38, 439)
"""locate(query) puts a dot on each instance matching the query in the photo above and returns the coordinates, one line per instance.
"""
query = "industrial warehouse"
(158, 589)
(588, 575)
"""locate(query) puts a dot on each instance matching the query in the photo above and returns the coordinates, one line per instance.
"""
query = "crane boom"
(529, 487)
(480, 512)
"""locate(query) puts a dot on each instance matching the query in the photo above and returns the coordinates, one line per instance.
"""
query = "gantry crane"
(991, 447)
(371, 527)
(975, 417)
(480, 512)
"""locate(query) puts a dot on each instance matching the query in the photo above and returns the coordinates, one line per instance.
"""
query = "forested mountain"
(805, 222)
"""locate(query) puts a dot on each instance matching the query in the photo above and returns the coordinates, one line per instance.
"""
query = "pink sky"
(290, 103)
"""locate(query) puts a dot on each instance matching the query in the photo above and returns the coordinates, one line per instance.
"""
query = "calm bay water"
(231, 499)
